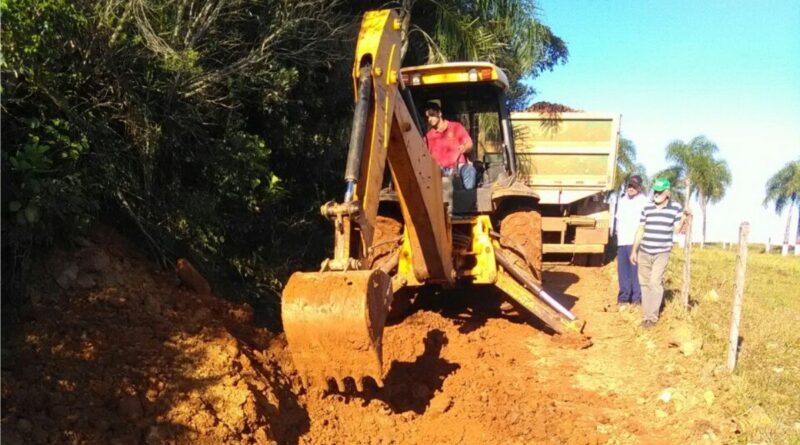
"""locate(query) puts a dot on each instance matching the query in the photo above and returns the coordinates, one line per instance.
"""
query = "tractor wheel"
(521, 240)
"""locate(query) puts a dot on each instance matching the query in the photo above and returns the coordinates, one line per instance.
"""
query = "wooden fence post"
(687, 250)
(738, 294)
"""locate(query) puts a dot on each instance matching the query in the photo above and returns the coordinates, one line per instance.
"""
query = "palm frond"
(783, 188)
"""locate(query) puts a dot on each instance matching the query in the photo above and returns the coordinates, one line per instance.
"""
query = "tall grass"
(762, 395)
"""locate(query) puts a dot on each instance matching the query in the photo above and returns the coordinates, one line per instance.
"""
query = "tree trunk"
(785, 247)
(797, 238)
(703, 205)
(405, 18)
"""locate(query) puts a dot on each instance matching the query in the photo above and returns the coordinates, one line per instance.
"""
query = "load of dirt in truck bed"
(549, 107)
(112, 350)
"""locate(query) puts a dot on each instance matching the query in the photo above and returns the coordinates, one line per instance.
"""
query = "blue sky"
(729, 70)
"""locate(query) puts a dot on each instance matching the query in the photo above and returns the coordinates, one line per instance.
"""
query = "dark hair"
(433, 106)
(635, 181)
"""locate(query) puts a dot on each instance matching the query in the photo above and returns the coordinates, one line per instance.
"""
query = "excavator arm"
(334, 318)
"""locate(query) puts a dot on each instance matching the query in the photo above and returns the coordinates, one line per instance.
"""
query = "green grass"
(762, 395)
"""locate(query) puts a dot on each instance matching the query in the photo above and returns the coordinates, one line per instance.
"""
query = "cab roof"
(455, 72)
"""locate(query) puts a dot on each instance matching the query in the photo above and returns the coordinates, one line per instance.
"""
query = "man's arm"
(636, 240)
(686, 218)
(464, 140)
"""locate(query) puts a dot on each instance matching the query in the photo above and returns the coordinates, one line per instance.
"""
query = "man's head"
(634, 186)
(661, 190)
(433, 114)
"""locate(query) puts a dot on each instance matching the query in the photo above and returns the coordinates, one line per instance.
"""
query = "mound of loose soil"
(112, 351)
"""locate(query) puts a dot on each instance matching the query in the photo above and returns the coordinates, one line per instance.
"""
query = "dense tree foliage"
(194, 123)
(208, 129)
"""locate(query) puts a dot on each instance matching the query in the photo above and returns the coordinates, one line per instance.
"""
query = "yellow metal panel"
(485, 269)
(564, 164)
(378, 41)
(373, 33)
(542, 132)
(590, 235)
(551, 224)
(405, 267)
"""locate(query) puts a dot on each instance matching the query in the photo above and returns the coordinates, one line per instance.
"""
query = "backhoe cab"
(422, 230)
(472, 93)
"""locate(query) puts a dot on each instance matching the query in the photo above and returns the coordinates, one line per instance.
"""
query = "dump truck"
(568, 159)
(402, 225)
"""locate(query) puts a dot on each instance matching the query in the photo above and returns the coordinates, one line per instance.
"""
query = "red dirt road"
(463, 371)
(138, 359)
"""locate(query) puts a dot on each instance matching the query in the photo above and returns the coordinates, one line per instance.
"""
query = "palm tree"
(627, 165)
(710, 177)
(783, 188)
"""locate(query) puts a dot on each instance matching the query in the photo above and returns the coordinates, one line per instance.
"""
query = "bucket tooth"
(340, 383)
(334, 323)
(359, 383)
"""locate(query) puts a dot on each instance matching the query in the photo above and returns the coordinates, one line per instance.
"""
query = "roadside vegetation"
(210, 133)
(760, 395)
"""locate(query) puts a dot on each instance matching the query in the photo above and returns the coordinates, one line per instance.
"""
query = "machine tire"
(521, 240)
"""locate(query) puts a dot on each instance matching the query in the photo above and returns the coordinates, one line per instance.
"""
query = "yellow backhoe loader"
(422, 230)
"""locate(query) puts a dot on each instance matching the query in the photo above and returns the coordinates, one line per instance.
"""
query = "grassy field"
(762, 396)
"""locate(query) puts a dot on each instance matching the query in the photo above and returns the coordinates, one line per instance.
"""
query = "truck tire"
(521, 240)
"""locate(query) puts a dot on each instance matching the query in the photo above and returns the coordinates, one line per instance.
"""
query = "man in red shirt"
(448, 142)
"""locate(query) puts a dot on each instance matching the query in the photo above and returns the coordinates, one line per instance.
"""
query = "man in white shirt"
(629, 212)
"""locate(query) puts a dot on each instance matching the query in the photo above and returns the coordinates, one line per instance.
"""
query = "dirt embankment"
(116, 352)
(113, 351)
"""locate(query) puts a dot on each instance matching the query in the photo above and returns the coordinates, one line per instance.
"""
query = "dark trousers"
(628, 275)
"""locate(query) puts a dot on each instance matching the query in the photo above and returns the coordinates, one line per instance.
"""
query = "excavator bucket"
(334, 324)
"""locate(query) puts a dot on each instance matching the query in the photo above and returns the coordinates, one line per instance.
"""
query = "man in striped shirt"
(660, 220)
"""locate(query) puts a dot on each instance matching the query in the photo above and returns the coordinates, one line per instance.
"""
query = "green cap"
(661, 184)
